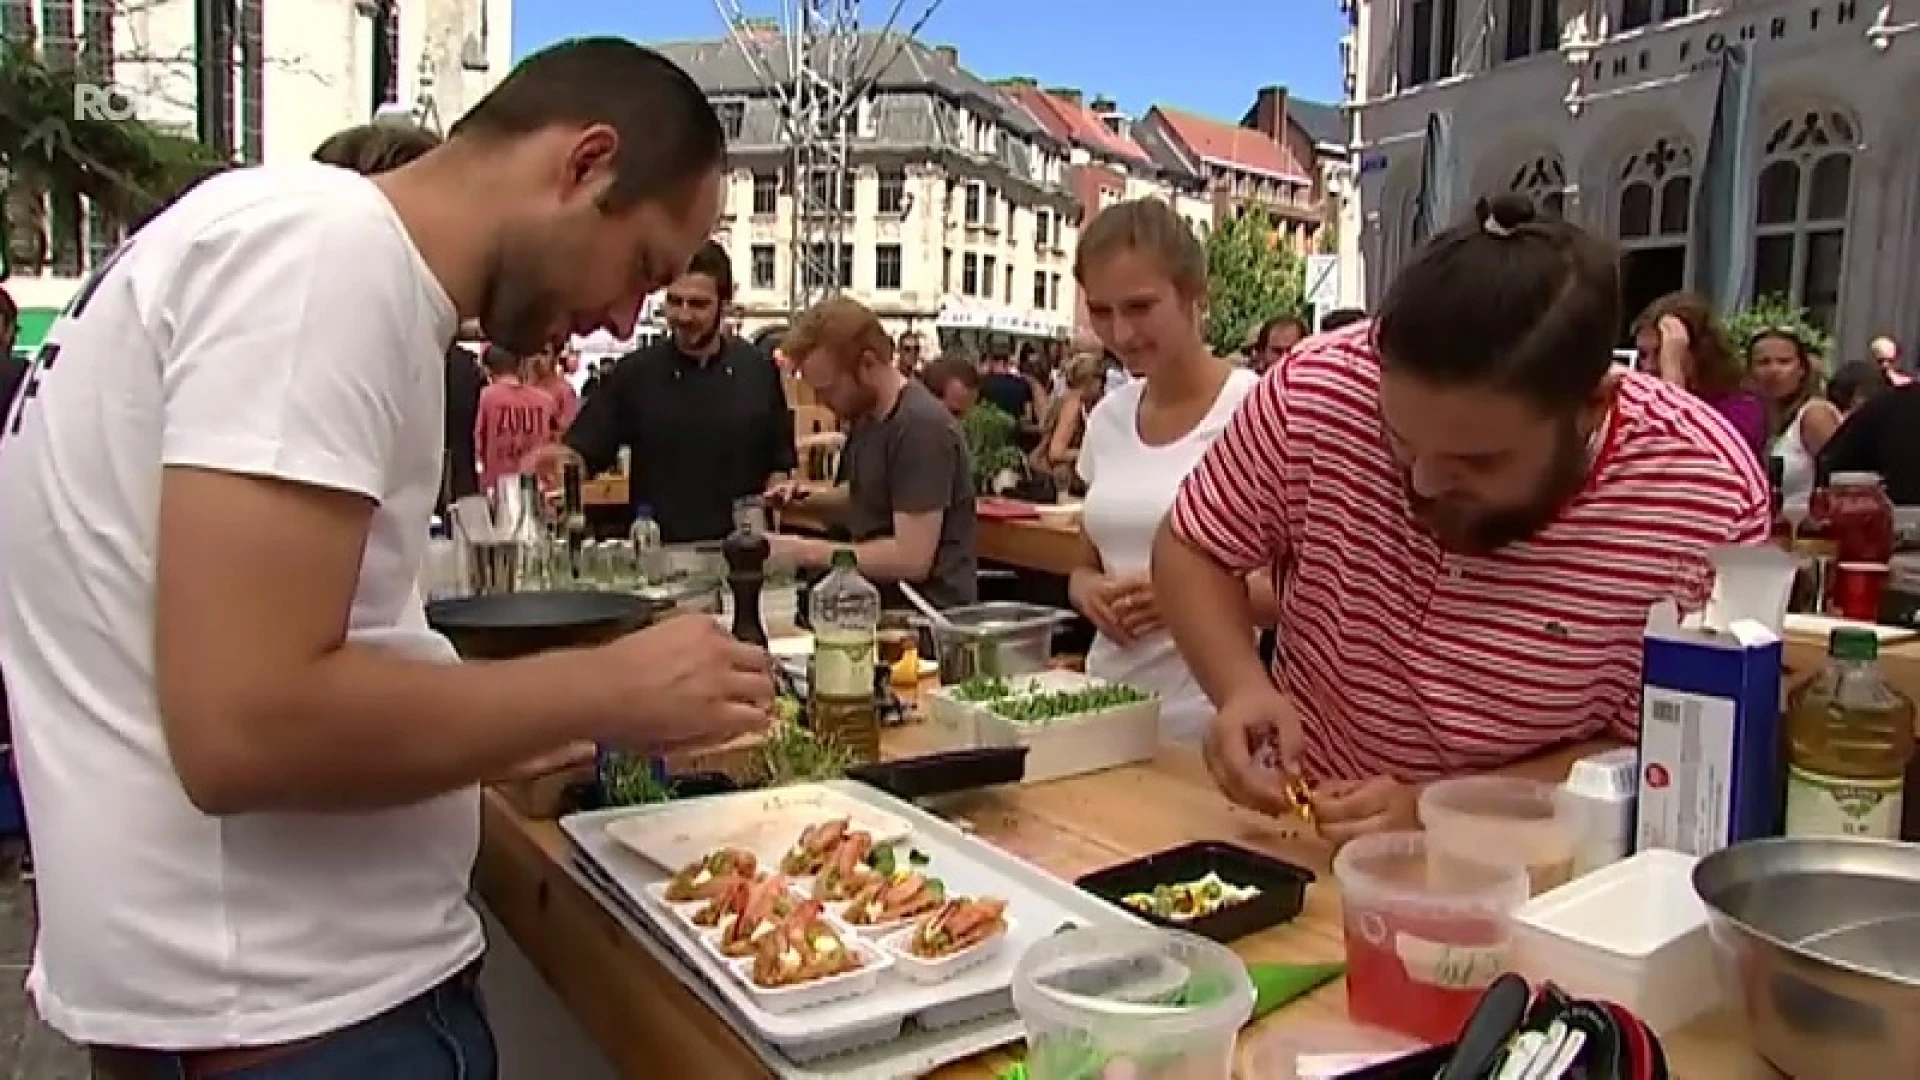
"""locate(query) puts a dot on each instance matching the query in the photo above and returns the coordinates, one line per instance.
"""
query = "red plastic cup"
(1857, 588)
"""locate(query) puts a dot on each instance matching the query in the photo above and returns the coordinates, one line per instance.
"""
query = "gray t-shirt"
(914, 461)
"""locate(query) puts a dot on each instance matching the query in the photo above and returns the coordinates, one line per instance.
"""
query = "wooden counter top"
(649, 1025)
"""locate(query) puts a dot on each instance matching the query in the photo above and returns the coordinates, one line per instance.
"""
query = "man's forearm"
(880, 559)
(1213, 622)
(364, 729)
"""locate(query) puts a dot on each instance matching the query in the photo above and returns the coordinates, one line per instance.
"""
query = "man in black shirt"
(906, 484)
(1881, 436)
(704, 414)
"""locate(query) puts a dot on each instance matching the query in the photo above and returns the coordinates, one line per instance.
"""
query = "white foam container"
(928, 972)
(1634, 933)
(1090, 742)
(808, 995)
(956, 721)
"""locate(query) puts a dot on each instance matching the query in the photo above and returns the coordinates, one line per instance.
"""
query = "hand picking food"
(958, 925)
(809, 853)
(1186, 901)
(707, 876)
(802, 949)
(757, 913)
(846, 871)
(894, 899)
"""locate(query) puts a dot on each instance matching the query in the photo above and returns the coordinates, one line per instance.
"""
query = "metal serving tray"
(900, 1029)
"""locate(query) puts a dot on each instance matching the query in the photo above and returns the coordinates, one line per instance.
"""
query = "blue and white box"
(1712, 755)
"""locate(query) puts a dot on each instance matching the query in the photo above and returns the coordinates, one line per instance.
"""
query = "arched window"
(1800, 211)
(1544, 180)
(1655, 208)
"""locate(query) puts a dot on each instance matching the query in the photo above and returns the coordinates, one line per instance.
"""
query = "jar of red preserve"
(1858, 518)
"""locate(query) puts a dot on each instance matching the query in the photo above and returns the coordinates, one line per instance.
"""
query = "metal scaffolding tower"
(818, 66)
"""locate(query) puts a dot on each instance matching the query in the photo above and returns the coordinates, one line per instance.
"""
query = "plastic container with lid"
(1112, 1001)
(1597, 803)
(1427, 930)
(1859, 517)
(1476, 815)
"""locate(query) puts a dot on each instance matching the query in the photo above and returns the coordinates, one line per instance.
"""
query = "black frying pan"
(509, 625)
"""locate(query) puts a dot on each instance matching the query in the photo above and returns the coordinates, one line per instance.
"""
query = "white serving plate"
(764, 822)
(929, 972)
(812, 995)
(892, 1028)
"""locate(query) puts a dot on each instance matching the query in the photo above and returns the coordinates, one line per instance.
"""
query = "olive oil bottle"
(1850, 736)
(845, 611)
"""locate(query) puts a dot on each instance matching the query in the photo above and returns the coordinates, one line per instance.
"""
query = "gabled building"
(956, 211)
(1274, 164)
(1106, 164)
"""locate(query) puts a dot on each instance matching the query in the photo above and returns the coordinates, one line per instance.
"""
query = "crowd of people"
(1452, 517)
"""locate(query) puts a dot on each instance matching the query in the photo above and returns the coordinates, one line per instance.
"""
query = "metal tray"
(895, 1030)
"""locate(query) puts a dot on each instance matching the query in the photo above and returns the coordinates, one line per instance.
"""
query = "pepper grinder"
(746, 552)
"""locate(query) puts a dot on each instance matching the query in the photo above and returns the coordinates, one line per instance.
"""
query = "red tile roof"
(1078, 125)
(1229, 144)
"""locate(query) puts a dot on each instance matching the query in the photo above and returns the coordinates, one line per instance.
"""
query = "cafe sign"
(1661, 54)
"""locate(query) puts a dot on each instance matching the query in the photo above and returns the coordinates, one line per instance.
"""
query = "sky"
(1203, 56)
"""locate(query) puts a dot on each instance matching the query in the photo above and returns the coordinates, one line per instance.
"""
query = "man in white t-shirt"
(249, 766)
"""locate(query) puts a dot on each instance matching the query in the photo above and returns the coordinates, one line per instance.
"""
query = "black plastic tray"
(944, 773)
(1282, 885)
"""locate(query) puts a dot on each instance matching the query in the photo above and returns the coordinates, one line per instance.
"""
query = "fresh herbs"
(631, 780)
(981, 689)
(792, 754)
(885, 859)
(1039, 710)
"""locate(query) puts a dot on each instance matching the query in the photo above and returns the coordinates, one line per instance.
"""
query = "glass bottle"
(1850, 736)
(647, 553)
(845, 611)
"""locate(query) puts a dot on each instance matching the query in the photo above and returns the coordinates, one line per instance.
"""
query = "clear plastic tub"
(1149, 1004)
(1473, 816)
(1426, 930)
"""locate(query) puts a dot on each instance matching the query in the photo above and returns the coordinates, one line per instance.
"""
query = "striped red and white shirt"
(1410, 661)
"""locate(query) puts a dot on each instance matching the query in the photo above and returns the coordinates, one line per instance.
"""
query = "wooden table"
(649, 1025)
(1045, 545)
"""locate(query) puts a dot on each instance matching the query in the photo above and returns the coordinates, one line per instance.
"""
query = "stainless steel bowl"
(1820, 938)
(995, 640)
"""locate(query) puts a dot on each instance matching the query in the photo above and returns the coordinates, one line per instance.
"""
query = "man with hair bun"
(905, 493)
(1468, 511)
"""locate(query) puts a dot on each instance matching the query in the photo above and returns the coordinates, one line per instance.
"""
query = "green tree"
(1254, 275)
(124, 167)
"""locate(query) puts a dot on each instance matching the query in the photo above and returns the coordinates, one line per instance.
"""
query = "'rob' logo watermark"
(100, 101)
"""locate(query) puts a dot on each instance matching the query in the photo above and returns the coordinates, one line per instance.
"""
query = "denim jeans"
(441, 1035)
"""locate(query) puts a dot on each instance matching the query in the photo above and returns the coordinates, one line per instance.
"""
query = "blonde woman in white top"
(1800, 419)
(1144, 278)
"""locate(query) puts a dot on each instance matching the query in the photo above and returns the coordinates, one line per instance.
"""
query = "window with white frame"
(1655, 205)
(1635, 14)
(1432, 33)
(1532, 27)
(1543, 179)
(970, 274)
(1040, 290)
(1800, 211)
